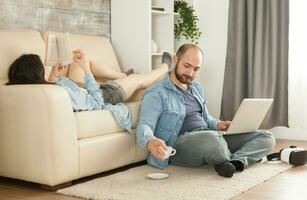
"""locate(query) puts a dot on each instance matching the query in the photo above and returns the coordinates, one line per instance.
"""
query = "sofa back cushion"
(14, 43)
(97, 48)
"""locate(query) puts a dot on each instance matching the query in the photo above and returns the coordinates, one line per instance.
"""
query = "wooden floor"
(292, 184)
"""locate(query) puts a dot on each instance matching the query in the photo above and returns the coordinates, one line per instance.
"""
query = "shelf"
(160, 54)
(156, 54)
(163, 12)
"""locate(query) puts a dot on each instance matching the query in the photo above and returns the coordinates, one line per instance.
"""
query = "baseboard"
(281, 132)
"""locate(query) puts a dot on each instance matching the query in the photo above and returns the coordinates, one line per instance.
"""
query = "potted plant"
(186, 24)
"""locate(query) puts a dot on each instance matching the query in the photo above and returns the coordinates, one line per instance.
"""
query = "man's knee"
(208, 140)
(268, 139)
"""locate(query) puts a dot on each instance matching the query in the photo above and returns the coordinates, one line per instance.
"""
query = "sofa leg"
(56, 187)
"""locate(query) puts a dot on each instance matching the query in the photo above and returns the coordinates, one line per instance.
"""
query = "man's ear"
(175, 60)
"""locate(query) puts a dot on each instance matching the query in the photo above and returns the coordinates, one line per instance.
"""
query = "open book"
(58, 50)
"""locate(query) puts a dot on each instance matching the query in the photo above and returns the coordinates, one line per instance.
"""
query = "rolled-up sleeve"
(151, 109)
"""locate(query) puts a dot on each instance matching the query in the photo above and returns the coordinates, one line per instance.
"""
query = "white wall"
(213, 16)
(297, 74)
(213, 20)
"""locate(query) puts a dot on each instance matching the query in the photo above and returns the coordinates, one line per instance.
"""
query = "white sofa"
(41, 139)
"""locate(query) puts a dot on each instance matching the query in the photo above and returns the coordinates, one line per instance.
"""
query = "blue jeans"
(198, 148)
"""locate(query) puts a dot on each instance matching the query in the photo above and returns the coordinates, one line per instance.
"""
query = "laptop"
(249, 116)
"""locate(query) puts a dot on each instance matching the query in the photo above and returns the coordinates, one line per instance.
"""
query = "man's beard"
(183, 78)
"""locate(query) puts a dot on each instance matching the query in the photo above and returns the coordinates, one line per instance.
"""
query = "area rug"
(182, 183)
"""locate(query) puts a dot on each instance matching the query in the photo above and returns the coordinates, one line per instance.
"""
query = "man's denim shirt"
(162, 114)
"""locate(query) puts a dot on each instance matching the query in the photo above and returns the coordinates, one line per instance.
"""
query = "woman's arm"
(90, 83)
(83, 61)
(88, 99)
(55, 71)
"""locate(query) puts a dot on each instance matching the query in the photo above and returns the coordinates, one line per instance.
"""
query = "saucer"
(157, 176)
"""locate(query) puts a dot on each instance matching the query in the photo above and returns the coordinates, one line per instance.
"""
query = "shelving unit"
(134, 24)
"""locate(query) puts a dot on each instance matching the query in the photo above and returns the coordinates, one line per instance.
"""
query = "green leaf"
(186, 24)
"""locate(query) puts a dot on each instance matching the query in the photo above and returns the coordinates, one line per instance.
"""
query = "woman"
(28, 69)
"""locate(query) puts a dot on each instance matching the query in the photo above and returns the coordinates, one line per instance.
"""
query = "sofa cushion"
(102, 122)
(14, 43)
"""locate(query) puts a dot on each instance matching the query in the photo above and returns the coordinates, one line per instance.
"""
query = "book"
(58, 50)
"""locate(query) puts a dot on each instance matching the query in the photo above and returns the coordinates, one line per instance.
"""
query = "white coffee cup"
(169, 152)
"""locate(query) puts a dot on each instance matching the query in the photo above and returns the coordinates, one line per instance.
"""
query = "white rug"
(182, 183)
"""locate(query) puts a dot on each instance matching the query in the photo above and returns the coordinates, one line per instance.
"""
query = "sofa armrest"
(38, 134)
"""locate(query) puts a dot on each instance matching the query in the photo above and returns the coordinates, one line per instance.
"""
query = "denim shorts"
(112, 92)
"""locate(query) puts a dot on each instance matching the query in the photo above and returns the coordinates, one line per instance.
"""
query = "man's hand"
(157, 148)
(223, 125)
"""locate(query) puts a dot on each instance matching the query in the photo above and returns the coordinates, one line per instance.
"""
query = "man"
(174, 113)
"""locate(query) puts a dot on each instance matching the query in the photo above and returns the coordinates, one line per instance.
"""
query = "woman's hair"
(27, 69)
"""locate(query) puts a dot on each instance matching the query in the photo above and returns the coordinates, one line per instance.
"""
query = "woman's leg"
(101, 72)
(104, 72)
(134, 82)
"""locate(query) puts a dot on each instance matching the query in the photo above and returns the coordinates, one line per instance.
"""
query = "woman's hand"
(80, 58)
(56, 70)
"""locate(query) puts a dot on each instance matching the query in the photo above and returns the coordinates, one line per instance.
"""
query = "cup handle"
(173, 152)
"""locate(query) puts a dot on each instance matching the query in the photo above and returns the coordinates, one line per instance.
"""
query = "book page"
(64, 49)
(51, 51)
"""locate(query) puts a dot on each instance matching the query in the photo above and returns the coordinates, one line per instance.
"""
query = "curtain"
(257, 58)
(298, 65)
